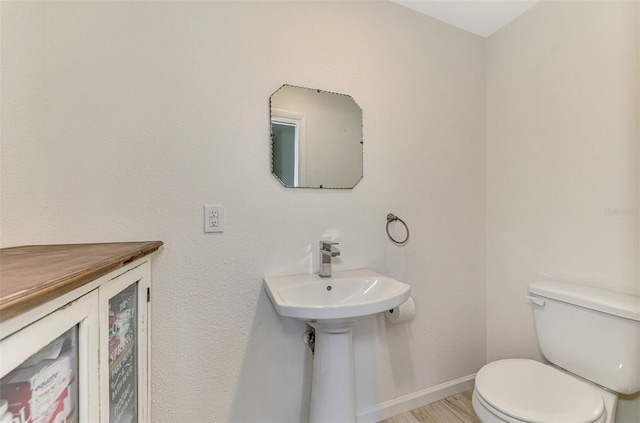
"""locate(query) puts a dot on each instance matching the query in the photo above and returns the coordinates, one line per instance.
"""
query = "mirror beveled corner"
(316, 138)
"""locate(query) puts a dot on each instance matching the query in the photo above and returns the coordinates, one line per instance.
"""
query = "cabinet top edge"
(31, 275)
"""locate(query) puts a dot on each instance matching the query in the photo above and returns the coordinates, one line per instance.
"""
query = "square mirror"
(316, 138)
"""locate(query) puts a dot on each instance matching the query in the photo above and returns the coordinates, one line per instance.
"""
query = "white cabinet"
(82, 355)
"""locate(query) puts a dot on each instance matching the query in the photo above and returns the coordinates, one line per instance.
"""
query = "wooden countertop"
(34, 274)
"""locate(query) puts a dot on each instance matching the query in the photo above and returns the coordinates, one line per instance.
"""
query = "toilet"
(590, 336)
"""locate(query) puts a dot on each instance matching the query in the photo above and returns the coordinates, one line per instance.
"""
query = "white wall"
(121, 119)
(562, 162)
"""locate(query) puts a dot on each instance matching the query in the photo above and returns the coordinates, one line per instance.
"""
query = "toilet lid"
(531, 391)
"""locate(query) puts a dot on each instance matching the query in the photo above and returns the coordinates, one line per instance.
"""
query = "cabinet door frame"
(142, 276)
(16, 348)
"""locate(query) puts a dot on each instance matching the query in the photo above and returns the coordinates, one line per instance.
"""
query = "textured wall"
(562, 161)
(121, 119)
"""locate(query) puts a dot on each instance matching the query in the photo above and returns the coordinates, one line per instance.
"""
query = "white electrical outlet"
(213, 218)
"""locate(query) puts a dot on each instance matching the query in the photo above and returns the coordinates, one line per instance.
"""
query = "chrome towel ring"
(391, 218)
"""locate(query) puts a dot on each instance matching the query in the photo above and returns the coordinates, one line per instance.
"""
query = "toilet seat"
(529, 391)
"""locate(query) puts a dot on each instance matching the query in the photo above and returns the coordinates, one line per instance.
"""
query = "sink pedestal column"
(333, 393)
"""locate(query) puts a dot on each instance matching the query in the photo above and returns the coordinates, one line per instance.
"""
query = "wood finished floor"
(454, 409)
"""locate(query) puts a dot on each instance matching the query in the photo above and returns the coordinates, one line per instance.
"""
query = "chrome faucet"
(326, 252)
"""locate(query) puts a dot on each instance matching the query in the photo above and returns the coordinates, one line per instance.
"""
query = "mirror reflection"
(316, 138)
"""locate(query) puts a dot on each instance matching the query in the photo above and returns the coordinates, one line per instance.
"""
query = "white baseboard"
(415, 400)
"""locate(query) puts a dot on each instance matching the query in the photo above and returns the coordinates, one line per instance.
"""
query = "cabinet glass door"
(49, 369)
(123, 353)
(123, 332)
(44, 387)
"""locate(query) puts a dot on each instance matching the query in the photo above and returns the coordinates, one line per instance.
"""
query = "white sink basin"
(346, 295)
(332, 306)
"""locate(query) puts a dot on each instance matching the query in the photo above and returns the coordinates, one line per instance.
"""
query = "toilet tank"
(590, 332)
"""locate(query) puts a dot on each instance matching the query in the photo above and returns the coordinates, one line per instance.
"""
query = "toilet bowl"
(590, 336)
(521, 390)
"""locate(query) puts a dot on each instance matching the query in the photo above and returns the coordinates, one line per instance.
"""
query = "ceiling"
(480, 17)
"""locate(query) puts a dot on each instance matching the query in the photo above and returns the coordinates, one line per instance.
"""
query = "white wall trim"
(415, 400)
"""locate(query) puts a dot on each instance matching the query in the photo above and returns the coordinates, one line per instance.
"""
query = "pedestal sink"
(332, 306)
